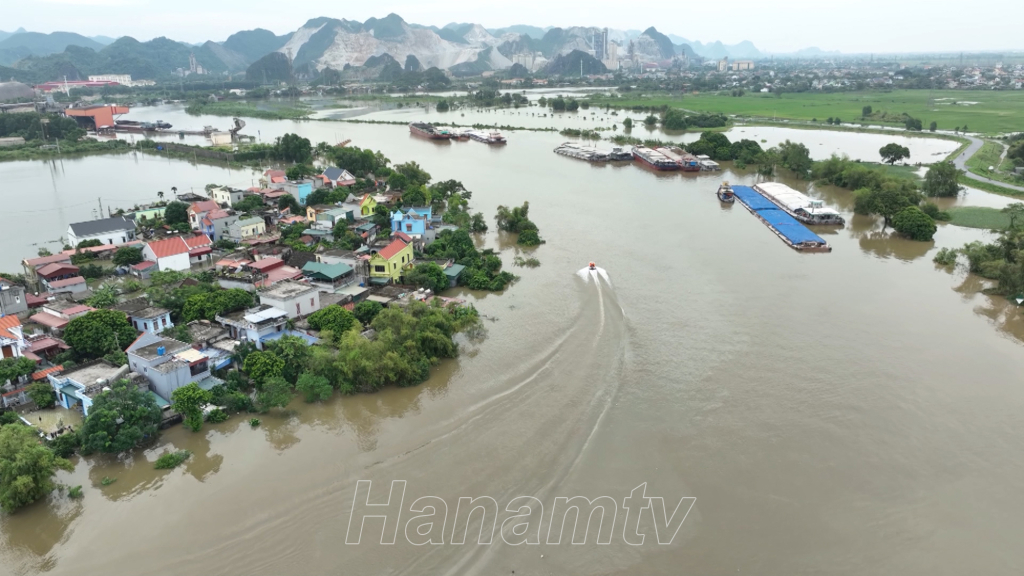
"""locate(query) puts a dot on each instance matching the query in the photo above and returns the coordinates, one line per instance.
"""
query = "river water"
(846, 413)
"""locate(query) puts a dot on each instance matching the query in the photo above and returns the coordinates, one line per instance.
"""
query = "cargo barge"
(491, 137)
(573, 150)
(799, 206)
(786, 227)
(429, 131)
(654, 159)
(687, 162)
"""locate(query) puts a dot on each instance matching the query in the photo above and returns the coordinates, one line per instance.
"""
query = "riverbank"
(36, 150)
(267, 110)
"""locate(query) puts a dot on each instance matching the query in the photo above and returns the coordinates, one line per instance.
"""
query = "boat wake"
(596, 272)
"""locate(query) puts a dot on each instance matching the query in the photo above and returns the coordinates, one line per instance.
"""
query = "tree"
(299, 171)
(1016, 213)
(366, 311)
(443, 106)
(866, 111)
(99, 332)
(478, 223)
(160, 194)
(933, 126)
(176, 213)
(208, 305)
(314, 387)
(796, 157)
(120, 419)
(333, 318)
(627, 124)
(886, 201)
(398, 181)
(913, 123)
(293, 148)
(943, 180)
(275, 392)
(428, 275)
(914, 224)
(26, 467)
(382, 217)
(288, 201)
(651, 120)
(294, 351)
(417, 176)
(128, 256)
(262, 365)
(893, 153)
(42, 394)
(250, 204)
(44, 252)
(12, 369)
(189, 401)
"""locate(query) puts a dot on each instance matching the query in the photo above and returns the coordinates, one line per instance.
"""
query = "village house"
(169, 364)
(217, 223)
(32, 265)
(80, 385)
(43, 346)
(337, 177)
(61, 278)
(248, 228)
(143, 269)
(147, 214)
(412, 223)
(143, 317)
(391, 262)
(178, 253)
(255, 324)
(226, 196)
(12, 340)
(198, 210)
(333, 275)
(272, 178)
(367, 205)
(12, 298)
(57, 313)
(116, 230)
(295, 298)
(300, 189)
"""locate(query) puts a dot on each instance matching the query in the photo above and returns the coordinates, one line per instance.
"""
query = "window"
(408, 227)
(311, 303)
(298, 308)
(379, 269)
(164, 321)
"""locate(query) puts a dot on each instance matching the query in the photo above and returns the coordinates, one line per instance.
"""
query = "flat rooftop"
(287, 290)
(169, 345)
(88, 375)
(151, 312)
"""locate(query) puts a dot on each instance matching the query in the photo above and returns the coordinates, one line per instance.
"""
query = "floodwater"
(846, 413)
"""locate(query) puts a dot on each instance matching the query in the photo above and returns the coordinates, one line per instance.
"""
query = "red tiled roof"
(6, 323)
(207, 222)
(32, 357)
(275, 194)
(43, 260)
(42, 374)
(55, 268)
(42, 344)
(76, 310)
(200, 251)
(204, 206)
(103, 248)
(34, 300)
(350, 306)
(405, 237)
(217, 215)
(266, 264)
(178, 245)
(278, 179)
(144, 265)
(49, 320)
(305, 239)
(67, 282)
(272, 173)
(232, 262)
(392, 249)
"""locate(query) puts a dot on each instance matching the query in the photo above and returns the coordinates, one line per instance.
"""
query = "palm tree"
(175, 190)
(160, 194)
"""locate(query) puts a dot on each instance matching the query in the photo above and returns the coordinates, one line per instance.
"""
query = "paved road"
(961, 163)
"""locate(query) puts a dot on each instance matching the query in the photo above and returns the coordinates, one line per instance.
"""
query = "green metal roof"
(69, 390)
(159, 400)
(326, 271)
(454, 270)
(209, 382)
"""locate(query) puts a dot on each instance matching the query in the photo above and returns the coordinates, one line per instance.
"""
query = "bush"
(945, 257)
(75, 492)
(65, 445)
(171, 460)
(216, 416)
(914, 224)
(529, 238)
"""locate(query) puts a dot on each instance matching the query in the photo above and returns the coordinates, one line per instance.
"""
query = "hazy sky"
(776, 26)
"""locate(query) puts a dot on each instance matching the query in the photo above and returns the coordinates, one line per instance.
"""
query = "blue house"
(425, 211)
(300, 189)
(77, 388)
(412, 222)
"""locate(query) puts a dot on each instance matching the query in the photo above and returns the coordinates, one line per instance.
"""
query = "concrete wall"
(12, 300)
(115, 237)
(303, 305)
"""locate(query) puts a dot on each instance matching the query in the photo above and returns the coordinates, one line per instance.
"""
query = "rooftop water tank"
(160, 351)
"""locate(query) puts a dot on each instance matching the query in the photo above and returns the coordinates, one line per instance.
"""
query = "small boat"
(593, 266)
(725, 193)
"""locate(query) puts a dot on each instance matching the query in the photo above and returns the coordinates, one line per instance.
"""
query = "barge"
(490, 137)
(687, 162)
(786, 227)
(800, 206)
(590, 154)
(429, 131)
(654, 159)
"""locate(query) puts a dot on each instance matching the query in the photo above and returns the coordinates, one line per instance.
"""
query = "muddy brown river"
(747, 409)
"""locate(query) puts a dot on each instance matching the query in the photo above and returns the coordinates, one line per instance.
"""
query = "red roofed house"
(271, 177)
(144, 269)
(390, 263)
(12, 341)
(274, 271)
(56, 315)
(178, 253)
(198, 210)
(31, 265)
(60, 277)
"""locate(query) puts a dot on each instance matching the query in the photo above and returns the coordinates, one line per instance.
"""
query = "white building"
(178, 253)
(122, 79)
(169, 364)
(256, 324)
(116, 230)
(227, 196)
(295, 298)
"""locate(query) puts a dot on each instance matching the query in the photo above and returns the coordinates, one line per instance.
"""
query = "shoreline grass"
(966, 180)
(979, 217)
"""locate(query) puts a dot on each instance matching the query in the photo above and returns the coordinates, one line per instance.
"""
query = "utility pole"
(100, 213)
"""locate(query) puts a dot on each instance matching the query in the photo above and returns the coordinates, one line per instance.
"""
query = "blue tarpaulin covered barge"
(792, 232)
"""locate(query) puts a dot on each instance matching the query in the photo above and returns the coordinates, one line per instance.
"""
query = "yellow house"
(367, 205)
(313, 211)
(247, 228)
(392, 261)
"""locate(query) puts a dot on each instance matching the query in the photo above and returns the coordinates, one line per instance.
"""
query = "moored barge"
(786, 227)
(425, 130)
(654, 159)
(800, 206)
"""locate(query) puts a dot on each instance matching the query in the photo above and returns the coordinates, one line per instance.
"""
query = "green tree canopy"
(99, 332)
(176, 213)
(893, 153)
(11, 369)
(120, 419)
(943, 180)
(262, 365)
(428, 275)
(207, 305)
(314, 388)
(294, 352)
(189, 401)
(293, 148)
(251, 203)
(288, 201)
(914, 224)
(26, 467)
(333, 318)
(275, 392)
(42, 394)
(366, 311)
(886, 201)
(128, 256)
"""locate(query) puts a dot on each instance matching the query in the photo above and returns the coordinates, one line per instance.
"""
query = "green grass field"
(994, 112)
(978, 217)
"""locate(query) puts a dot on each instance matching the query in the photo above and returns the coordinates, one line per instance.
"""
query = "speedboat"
(593, 266)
